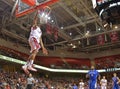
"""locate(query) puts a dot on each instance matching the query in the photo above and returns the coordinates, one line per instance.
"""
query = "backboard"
(22, 8)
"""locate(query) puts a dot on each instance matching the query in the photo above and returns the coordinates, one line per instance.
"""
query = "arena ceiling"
(78, 23)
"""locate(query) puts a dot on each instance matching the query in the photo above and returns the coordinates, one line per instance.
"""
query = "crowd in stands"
(15, 80)
(108, 62)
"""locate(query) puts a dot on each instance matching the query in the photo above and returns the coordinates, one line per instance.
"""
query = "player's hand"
(45, 51)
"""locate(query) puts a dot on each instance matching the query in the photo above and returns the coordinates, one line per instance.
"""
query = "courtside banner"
(2, 57)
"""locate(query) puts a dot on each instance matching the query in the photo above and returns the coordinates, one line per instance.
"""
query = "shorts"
(34, 44)
(103, 87)
(92, 84)
(29, 86)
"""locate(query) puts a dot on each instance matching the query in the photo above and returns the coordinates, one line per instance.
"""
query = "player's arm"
(43, 47)
(118, 80)
(100, 82)
(99, 77)
(106, 82)
(87, 75)
(83, 84)
(33, 81)
(35, 19)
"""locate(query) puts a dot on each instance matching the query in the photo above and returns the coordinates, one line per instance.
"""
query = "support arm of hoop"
(14, 7)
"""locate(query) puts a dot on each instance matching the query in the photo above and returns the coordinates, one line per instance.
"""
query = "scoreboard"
(97, 3)
(107, 9)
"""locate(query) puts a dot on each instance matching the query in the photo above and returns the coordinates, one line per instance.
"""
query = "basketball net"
(43, 14)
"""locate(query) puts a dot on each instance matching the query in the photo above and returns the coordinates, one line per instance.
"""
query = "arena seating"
(16, 80)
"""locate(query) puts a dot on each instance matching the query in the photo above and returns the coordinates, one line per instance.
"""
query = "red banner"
(114, 36)
(55, 33)
(49, 29)
(101, 39)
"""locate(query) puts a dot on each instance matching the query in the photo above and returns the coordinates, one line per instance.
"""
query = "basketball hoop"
(43, 14)
(24, 7)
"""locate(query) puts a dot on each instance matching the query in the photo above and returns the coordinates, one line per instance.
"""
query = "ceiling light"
(79, 42)
(87, 33)
(52, 21)
(70, 33)
(74, 46)
(71, 44)
(116, 27)
(99, 29)
(105, 25)
(61, 27)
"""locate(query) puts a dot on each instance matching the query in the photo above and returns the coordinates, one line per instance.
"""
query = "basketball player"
(93, 74)
(81, 84)
(115, 80)
(103, 83)
(34, 40)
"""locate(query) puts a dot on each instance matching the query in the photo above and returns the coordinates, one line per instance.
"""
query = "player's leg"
(31, 60)
(117, 86)
(90, 84)
(93, 85)
(103, 87)
(31, 57)
(34, 50)
(24, 67)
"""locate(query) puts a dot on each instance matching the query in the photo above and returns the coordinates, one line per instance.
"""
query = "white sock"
(26, 63)
(31, 62)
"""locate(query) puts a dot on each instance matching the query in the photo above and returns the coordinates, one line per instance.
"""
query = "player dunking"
(34, 40)
(103, 83)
